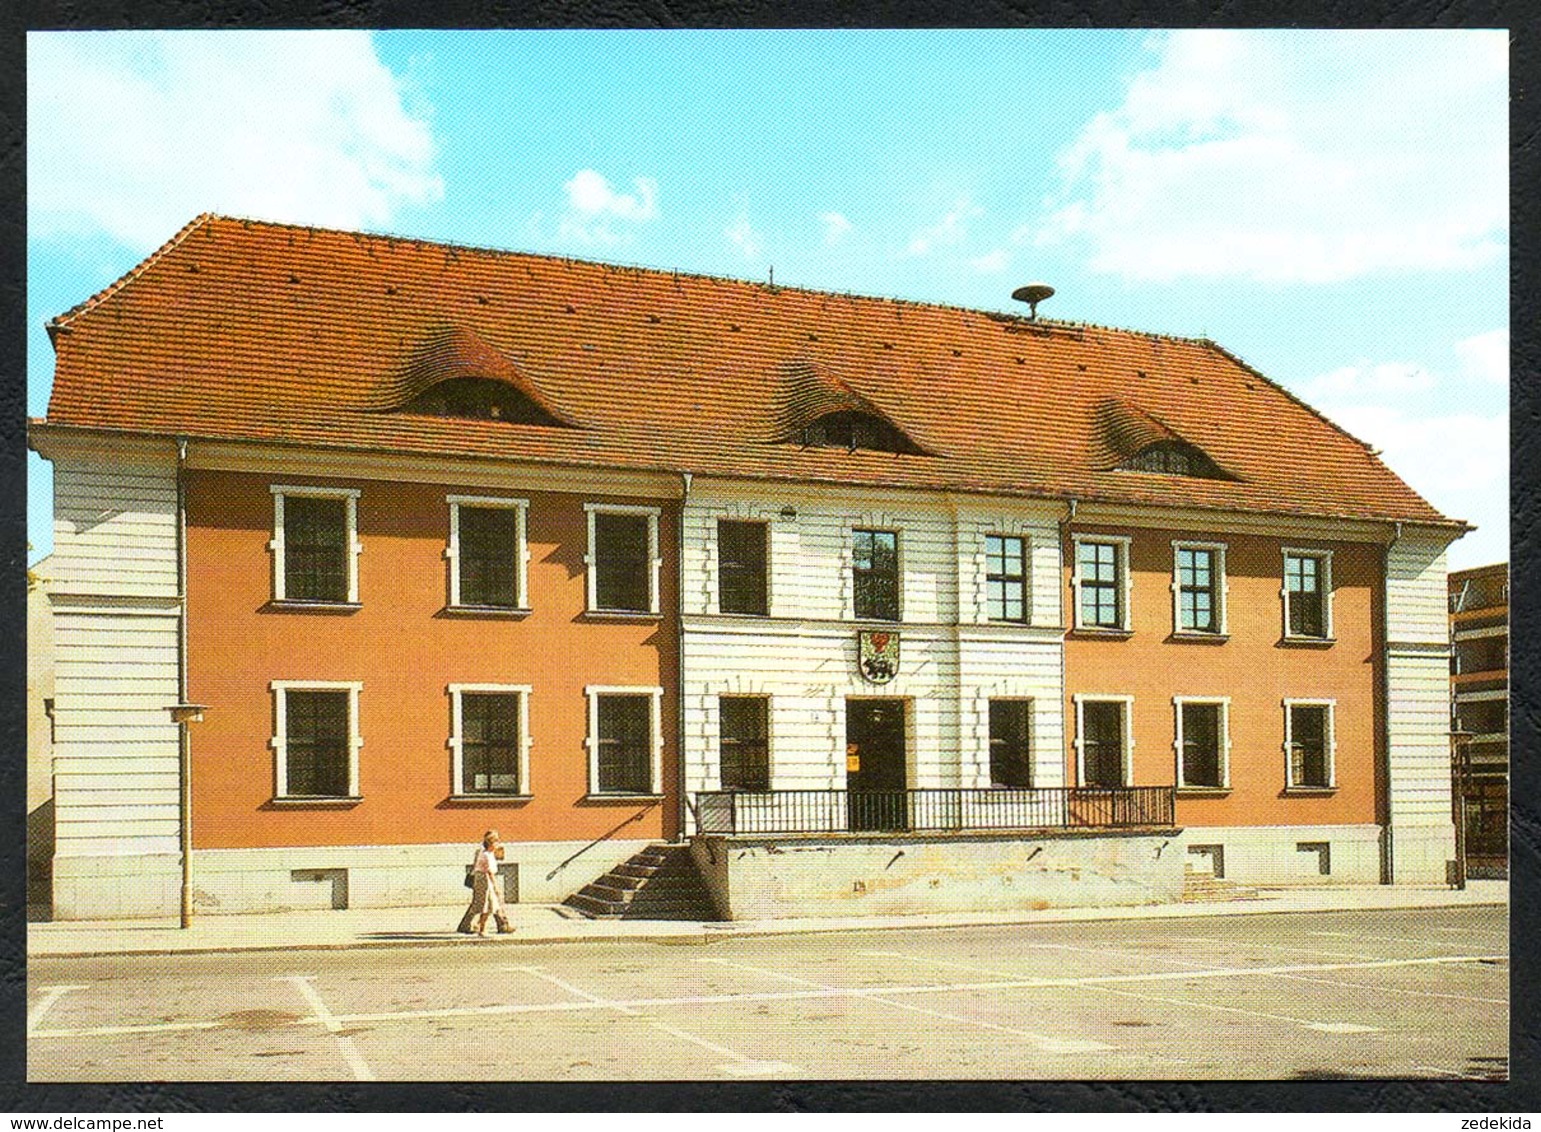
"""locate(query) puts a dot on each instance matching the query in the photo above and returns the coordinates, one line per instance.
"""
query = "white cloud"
(1295, 156)
(1365, 380)
(991, 263)
(131, 134)
(741, 234)
(835, 226)
(949, 231)
(597, 214)
(1437, 455)
(1485, 357)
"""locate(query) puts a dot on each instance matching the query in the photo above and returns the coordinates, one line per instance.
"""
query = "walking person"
(486, 900)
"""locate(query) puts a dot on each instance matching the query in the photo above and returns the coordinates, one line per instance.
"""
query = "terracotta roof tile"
(265, 332)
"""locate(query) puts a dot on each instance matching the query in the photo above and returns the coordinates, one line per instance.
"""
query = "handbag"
(470, 880)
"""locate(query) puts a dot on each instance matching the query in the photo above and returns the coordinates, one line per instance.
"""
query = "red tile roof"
(254, 331)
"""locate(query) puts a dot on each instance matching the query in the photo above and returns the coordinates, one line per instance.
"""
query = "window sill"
(620, 615)
(507, 611)
(499, 799)
(290, 605)
(757, 614)
(592, 797)
(1018, 622)
(1309, 791)
(303, 801)
(1307, 642)
(1107, 633)
(1203, 791)
(1193, 637)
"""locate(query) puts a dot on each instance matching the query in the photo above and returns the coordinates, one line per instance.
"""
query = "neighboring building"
(40, 704)
(1479, 686)
(601, 555)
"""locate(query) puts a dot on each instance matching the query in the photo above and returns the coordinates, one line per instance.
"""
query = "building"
(1479, 698)
(602, 555)
(40, 704)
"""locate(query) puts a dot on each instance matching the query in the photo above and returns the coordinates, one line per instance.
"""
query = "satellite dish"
(1032, 294)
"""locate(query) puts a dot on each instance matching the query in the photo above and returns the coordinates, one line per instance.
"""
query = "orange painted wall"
(405, 650)
(1252, 667)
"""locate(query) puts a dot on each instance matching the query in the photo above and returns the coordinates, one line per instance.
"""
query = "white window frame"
(591, 558)
(1121, 562)
(591, 741)
(280, 740)
(1027, 577)
(1331, 744)
(350, 496)
(1081, 701)
(1224, 703)
(521, 549)
(1221, 588)
(1324, 578)
(457, 736)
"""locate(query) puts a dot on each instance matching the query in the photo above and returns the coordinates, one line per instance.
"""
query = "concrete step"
(658, 883)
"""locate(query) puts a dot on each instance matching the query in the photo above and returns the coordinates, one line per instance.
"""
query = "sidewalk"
(547, 923)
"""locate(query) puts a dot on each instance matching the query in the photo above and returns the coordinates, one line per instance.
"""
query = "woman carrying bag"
(485, 899)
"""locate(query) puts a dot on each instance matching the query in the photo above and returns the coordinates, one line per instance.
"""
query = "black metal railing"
(933, 810)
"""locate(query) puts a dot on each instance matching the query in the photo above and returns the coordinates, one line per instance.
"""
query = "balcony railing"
(933, 810)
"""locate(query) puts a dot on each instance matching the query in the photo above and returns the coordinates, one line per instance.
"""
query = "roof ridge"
(734, 280)
(61, 321)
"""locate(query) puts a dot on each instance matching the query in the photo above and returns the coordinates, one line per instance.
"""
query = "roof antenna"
(1032, 294)
(773, 275)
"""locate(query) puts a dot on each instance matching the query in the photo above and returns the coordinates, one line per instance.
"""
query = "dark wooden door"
(875, 770)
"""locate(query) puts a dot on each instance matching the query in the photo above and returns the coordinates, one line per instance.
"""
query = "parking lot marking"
(350, 1053)
(739, 1065)
(45, 1003)
(1382, 938)
(1274, 947)
(1399, 990)
(1043, 1042)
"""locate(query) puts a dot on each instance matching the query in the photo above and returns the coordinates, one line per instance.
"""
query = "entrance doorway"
(875, 771)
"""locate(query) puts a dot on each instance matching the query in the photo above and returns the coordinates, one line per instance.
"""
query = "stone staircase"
(659, 883)
(1206, 888)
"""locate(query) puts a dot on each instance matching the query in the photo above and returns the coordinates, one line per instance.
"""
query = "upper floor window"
(1005, 578)
(489, 739)
(1174, 458)
(1203, 742)
(744, 742)
(623, 560)
(625, 740)
(1309, 744)
(1198, 587)
(741, 573)
(487, 552)
(853, 430)
(1307, 594)
(315, 544)
(875, 575)
(316, 739)
(1101, 582)
(1011, 756)
(479, 398)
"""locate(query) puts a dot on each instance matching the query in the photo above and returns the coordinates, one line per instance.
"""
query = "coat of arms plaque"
(877, 654)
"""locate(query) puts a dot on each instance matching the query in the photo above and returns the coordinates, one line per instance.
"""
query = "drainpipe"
(1066, 619)
(184, 753)
(679, 654)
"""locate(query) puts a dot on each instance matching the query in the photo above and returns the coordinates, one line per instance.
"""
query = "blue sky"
(1330, 206)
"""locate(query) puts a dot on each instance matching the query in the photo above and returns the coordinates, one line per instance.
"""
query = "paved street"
(1409, 993)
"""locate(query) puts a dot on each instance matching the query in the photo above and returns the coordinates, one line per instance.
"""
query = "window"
(1104, 747)
(1174, 458)
(852, 430)
(1011, 724)
(1307, 594)
(316, 739)
(482, 399)
(315, 544)
(1198, 587)
(625, 740)
(487, 552)
(1309, 744)
(1005, 578)
(1203, 742)
(490, 739)
(875, 574)
(1101, 582)
(744, 744)
(623, 560)
(741, 573)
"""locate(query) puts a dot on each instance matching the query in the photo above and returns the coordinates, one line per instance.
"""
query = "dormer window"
(853, 430)
(480, 399)
(1174, 458)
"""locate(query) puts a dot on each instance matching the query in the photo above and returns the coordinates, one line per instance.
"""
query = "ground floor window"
(489, 739)
(1103, 741)
(1309, 744)
(1011, 761)
(744, 742)
(316, 739)
(624, 740)
(1202, 743)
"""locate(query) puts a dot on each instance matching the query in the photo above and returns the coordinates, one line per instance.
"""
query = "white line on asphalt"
(1098, 985)
(350, 1053)
(1273, 947)
(1397, 990)
(50, 996)
(1451, 1073)
(782, 996)
(740, 1066)
(1043, 1042)
(1382, 939)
